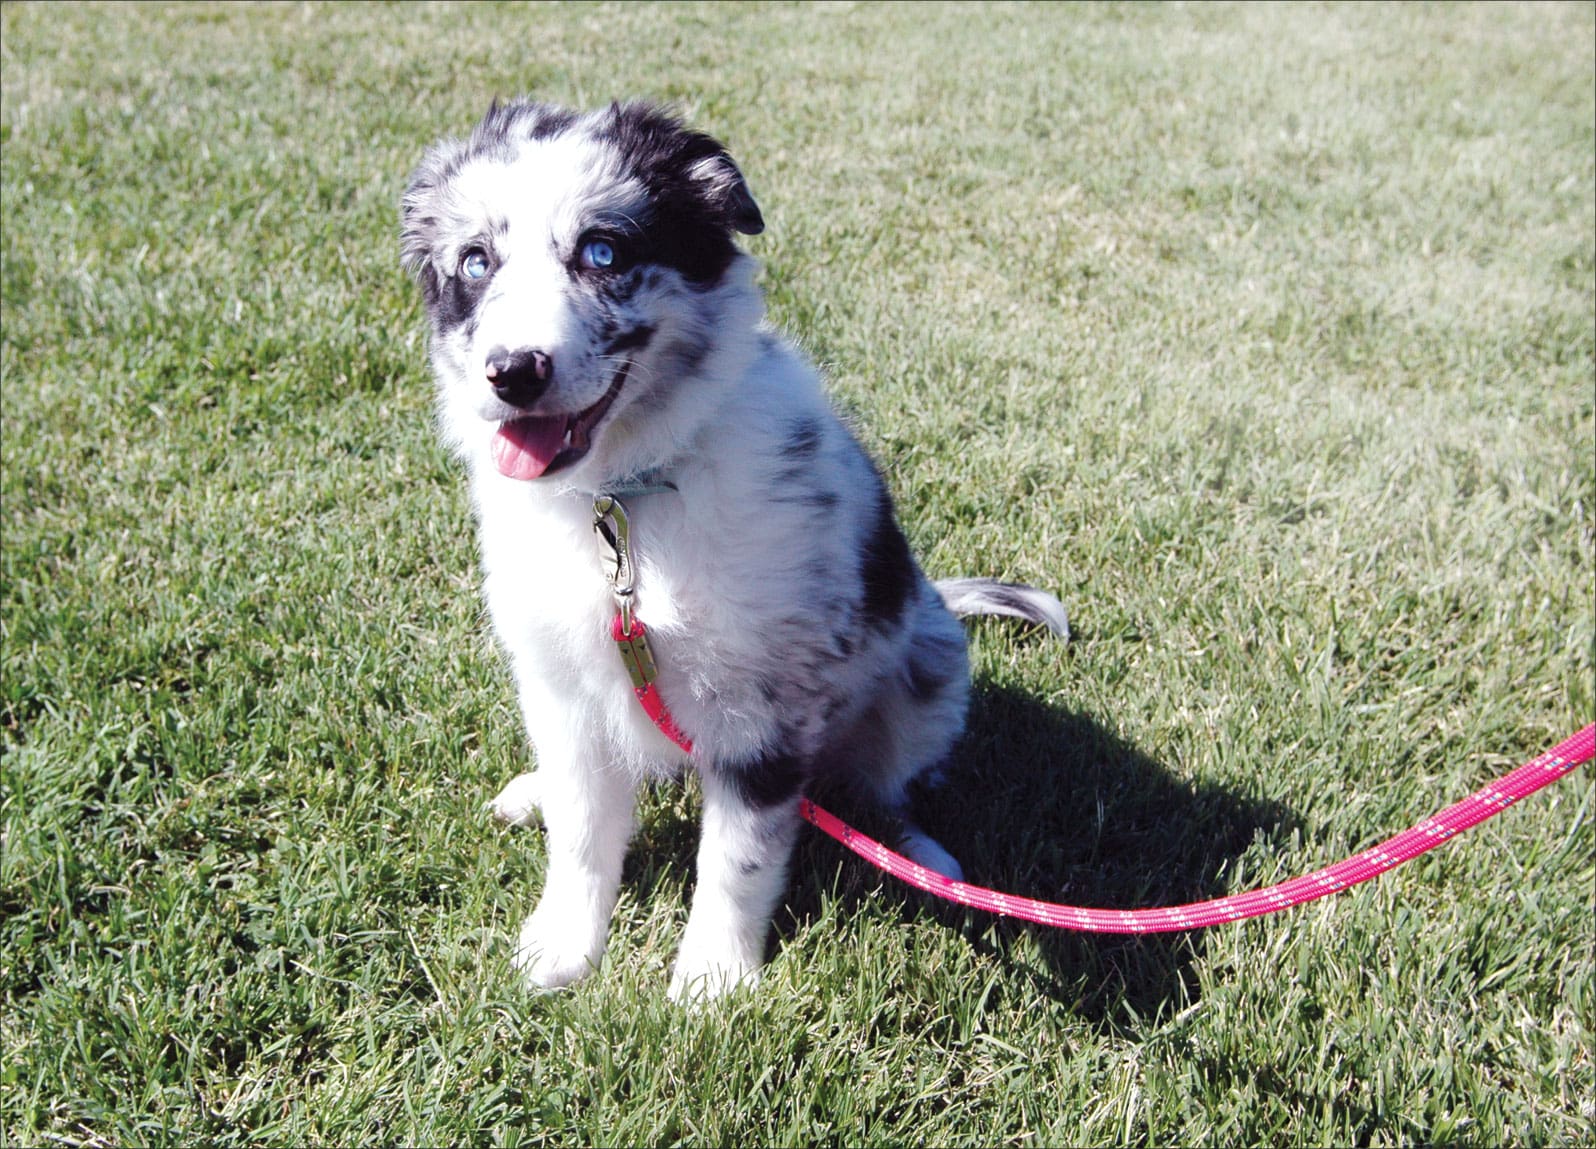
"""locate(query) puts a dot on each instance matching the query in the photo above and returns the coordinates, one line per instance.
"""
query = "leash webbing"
(611, 524)
(1556, 763)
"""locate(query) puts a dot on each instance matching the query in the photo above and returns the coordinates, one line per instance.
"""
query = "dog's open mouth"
(532, 446)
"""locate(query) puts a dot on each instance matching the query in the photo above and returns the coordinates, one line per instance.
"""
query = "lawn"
(1264, 335)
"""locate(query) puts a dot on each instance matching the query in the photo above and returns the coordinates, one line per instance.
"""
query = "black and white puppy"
(597, 330)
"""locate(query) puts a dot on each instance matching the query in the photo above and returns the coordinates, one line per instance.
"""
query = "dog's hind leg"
(920, 847)
(918, 720)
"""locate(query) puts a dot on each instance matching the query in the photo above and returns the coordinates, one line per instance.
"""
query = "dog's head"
(578, 271)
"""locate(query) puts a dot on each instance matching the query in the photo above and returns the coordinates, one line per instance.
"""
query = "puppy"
(601, 362)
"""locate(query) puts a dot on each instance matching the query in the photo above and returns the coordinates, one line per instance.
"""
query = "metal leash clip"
(613, 528)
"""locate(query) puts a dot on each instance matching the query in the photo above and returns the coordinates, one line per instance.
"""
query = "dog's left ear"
(687, 160)
(725, 189)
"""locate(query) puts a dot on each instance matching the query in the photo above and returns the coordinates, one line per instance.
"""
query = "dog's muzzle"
(519, 378)
(531, 446)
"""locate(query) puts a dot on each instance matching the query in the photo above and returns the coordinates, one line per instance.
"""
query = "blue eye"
(597, 255)
(474, 265)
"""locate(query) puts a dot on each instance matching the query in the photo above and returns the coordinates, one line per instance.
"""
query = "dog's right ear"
(419, 214)
(417, 225)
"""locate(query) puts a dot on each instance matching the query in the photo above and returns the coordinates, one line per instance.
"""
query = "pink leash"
(1371, 863)
(612, 525)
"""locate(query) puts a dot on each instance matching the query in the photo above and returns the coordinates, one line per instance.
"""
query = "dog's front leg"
(748, 837)
(518, 802)
(588, 808)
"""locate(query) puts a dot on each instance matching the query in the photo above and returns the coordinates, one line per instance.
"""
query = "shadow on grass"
(1050, 804)
(1039, 802)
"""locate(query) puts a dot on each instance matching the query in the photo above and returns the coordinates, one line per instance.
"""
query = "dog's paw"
(518, 802)
(549, 954)
(701, 978)
(922, 849)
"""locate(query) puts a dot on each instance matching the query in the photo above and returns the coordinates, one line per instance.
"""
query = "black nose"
(519, 377)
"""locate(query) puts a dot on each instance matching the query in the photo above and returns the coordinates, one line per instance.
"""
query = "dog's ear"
(418, 217)
(421, 212)
(726, 190)
(672, 156)
(417, 224)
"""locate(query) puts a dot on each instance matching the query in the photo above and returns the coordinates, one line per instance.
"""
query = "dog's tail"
(967, 596)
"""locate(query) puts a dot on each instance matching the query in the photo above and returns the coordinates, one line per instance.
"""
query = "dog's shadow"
(1047, 804)
(1051, 804)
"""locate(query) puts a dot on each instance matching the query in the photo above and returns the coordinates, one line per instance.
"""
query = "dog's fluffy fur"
(594, 322)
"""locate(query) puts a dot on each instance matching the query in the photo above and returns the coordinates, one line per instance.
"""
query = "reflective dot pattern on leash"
(1486, 803)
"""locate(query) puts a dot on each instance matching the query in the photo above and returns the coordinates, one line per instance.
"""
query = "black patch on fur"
(449, 301)
(926, 673)
(768, 781)
(887, 570)
(697, 197)
(795, 471)
(822, 503)
(632, 340)
(1012, 596)
(453, 299)
(616, 289)
(520, 119)
(926, 679)
(681, 360)
(1006, 594)
(803, 441)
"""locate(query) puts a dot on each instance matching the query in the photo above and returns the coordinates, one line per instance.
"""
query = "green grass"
(1263, 334)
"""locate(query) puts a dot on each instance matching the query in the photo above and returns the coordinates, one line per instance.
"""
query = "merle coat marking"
(594, 320)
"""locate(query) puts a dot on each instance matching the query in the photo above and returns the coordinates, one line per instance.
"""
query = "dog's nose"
(519, 377)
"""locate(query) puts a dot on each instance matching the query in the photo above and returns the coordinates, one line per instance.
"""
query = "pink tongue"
(524, 448)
